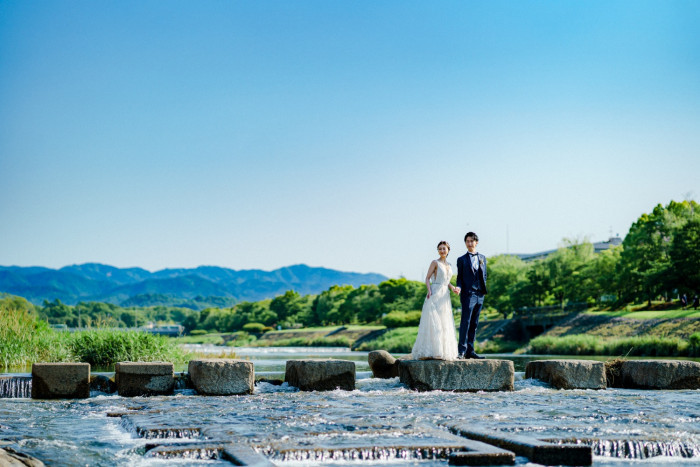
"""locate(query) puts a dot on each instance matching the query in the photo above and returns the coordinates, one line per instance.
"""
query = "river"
(379, 423)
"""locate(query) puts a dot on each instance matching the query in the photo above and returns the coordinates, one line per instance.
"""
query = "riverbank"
(642, 333)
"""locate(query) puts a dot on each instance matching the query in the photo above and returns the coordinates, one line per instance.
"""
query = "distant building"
(597, 247)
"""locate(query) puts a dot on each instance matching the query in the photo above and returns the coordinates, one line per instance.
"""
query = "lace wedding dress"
(436, 331)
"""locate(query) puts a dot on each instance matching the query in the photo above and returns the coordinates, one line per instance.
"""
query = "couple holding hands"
(436, 333)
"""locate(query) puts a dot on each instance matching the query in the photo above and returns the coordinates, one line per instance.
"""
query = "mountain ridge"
(104, 283)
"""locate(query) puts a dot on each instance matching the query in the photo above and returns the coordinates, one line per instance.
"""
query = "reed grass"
(106, 347)
(647, 346)
(24, 339)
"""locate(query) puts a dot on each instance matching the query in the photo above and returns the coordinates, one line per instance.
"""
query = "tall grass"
(106, 347)
(24, 339)
(647, 346)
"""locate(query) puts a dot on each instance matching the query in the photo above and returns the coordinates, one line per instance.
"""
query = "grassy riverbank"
(24, 340)
(656, 332)
(650, 346)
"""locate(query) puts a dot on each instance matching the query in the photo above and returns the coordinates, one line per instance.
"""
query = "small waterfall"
(15, 386)
(167, 433)
(355, 454)
(638, 449)
(203, 453)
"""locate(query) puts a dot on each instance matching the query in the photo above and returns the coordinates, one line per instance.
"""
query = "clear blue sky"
(352, 135)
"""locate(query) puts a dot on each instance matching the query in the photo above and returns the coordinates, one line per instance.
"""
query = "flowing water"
(379, 423)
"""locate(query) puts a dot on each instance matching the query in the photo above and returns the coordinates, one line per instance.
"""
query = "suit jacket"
(466, 276)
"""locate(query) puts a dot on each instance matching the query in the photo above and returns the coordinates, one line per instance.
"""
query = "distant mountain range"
(194, 288)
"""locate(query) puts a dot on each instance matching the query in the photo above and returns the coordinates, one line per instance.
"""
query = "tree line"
(660, 256)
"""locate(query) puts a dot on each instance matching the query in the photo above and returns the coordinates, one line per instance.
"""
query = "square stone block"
(60, 380)
(222, 377)
(320, 375)
(458, 375)
(568, 374)
(144, 378)
(660, 374)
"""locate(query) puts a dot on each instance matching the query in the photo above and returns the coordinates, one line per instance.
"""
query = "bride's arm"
(431, 271)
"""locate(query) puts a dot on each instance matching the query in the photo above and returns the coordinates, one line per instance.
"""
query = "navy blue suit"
(473, 285)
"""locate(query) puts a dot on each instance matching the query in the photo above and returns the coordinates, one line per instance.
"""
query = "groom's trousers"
(471, 310)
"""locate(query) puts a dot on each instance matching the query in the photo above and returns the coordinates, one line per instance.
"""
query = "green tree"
(327, 306)
(685, 256)
(646, 262)
(507, 280)
(291, 308)
(364, 303)
(402, 295)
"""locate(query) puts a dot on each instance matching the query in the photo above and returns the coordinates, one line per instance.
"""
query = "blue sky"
(349, 135)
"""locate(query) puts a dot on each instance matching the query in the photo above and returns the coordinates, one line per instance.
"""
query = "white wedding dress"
(436, 331)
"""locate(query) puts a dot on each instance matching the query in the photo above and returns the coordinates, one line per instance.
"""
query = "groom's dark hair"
(472, 235)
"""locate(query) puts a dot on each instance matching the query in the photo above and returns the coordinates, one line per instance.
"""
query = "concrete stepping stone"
(144, 378)
(568, 374)
(539, 452)
(222, 377)
(60, 380)
(458, 375)
(660, 374)
(320, 375)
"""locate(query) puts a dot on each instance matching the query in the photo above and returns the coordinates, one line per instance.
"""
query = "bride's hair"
(444, 243)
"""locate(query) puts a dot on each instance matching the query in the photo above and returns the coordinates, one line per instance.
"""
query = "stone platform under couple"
(458, 375)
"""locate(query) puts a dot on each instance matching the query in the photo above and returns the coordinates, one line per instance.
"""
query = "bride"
(436, 331)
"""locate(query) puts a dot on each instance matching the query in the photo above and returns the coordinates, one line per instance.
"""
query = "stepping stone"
(144, 378)
(568, 374)
(320, 375)
(222, 377)
(458, 375)
(383, 364)
(660, 374)
(60, 380)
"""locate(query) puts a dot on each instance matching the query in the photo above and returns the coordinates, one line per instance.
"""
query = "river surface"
(379, 423)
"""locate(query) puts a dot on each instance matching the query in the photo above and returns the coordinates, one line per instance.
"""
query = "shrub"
(401, 319)
(254, 327)
(198, 332)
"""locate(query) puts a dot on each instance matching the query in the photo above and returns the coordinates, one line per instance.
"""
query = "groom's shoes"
(474, 356)
(461, 357)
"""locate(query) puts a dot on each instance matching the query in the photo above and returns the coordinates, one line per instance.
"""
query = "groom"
(471, 278)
